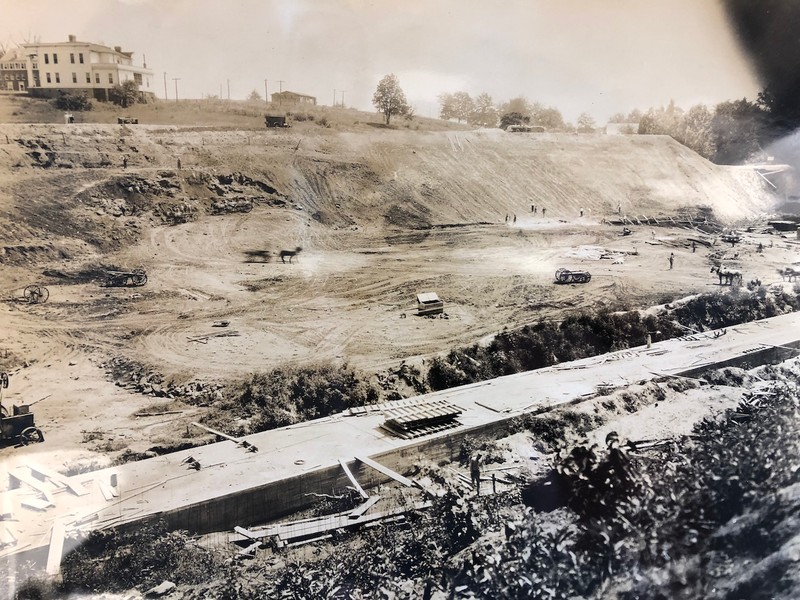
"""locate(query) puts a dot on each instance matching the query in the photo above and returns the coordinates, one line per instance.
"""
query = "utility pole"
(266, 95)
(342, 104)
(280, 92)
(229, 89)
(334, 97)
(176, 80)
(166, 96)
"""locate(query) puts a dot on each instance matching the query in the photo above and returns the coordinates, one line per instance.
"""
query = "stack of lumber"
(408, 422)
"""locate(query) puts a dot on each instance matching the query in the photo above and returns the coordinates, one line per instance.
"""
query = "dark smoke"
(769, 32)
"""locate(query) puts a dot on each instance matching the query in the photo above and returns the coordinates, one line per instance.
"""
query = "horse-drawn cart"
(567, 276)
(136, 277)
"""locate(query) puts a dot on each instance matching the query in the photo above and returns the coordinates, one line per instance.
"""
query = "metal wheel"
(139, 277)
(588, 278)
(31, 435)
(247, 207)
(4, 380)
(35, 294)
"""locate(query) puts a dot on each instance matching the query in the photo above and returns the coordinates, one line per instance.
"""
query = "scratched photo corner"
(352, 299)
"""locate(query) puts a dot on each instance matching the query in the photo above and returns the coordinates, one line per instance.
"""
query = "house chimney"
(72, 38)
(118, 49)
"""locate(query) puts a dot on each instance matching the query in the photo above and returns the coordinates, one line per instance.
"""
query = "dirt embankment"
(378, 216)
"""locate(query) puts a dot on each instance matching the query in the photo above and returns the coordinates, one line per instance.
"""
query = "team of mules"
(266, 255)
(789, 273)
(730, 276)
(290, 253)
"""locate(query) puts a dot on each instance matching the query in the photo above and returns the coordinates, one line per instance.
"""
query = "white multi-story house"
(82, 67)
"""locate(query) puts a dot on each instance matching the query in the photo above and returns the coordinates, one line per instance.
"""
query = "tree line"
(727, 133)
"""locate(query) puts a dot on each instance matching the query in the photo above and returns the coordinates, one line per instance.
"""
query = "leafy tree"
(125, 94)
(389, 98)
(548, 117)
(694, 130)
(254, 96)
(485, 113)
(618, 118)
(738, 129)
(464, 106)
(586, 123)
(519, 105)
(447, 103)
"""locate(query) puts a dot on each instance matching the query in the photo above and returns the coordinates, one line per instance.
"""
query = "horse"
(730, 276)
(290, 253)
(789, 273)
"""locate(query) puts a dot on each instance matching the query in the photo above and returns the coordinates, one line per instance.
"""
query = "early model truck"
(18, 426)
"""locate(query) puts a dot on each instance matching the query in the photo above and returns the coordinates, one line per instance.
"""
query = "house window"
(97, 77)
(46, 59)
(55, 58)
(74, 78)
(72, 58)
(80, 57)
(137, 77)
(35, 66)
(110, 78)
(48, 77)
(88, 78)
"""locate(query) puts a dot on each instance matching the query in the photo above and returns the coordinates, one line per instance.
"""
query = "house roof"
(426, 297)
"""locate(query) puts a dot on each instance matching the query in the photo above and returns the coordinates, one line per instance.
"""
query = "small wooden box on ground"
(428, 303)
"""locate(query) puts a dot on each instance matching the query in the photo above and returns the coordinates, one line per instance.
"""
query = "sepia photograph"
(420, 300)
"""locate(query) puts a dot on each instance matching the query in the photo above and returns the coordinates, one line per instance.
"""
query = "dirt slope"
(380, 215)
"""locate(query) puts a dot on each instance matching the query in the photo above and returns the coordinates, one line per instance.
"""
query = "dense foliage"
(291, 395)
(77, 101)
(579, 336)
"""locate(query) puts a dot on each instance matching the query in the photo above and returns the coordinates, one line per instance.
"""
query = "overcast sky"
(598, 56)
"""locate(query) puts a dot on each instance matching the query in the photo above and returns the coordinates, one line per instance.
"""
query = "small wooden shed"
(428, 303)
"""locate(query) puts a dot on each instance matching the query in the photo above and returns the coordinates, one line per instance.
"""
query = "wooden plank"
(215, 432)
(6, 537)
(29, 480)
(36, 504)
(250, 550)
(44, 472)
(353, 480)
(251, 535)
(385, 470)
(356, 513)
(56, 548)
(105, 490)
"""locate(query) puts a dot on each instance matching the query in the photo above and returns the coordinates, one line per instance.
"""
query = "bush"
(77, 101)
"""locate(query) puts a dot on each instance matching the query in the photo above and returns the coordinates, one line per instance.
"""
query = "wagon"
(125, 278)
(567, 276)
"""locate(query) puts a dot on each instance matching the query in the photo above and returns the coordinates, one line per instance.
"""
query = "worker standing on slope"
(671, 258)
(475, 472)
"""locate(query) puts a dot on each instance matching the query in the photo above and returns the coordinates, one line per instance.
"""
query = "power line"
(280, 93)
